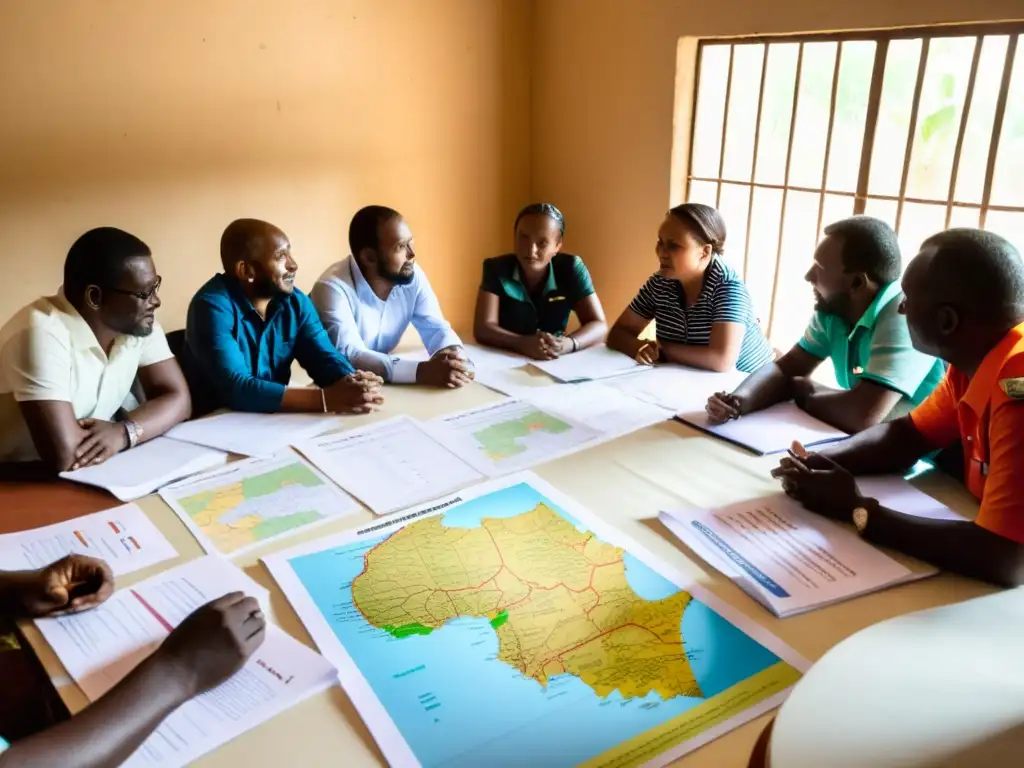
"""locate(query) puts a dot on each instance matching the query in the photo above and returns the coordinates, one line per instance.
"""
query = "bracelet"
(134, 431)
(575, 344)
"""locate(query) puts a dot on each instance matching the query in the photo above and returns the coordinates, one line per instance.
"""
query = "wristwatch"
(860, 518)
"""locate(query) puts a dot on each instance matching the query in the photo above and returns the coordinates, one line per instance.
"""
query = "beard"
(834, 305)
(399, 277)
(136, 326)
(267, 288)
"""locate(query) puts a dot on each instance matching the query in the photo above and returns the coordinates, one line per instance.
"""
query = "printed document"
(509, 436)
(788, 559)
(772, 430)
(123, 536)
(603, 407)
(389, 465)
(254, 434)
(99, 647)
(138, 472)
(597, 362)
(252, 502)
(676, 387)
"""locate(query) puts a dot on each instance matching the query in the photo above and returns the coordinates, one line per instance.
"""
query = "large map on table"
(252, 502)
(505, 632)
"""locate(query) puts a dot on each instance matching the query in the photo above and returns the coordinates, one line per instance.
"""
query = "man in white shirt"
(68, 362)
(367, 301)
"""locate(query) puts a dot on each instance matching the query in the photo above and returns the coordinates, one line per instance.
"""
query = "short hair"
(705, 223)
(97, 258)
(542, 209)
(869, 246)
(239, 240)
(364, 229)
(979, 270)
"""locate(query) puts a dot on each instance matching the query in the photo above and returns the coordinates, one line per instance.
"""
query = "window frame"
(1014, 30)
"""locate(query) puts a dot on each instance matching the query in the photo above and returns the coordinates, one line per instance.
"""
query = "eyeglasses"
(141, 295)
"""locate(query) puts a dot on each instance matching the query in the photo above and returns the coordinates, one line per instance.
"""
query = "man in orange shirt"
(964, 302)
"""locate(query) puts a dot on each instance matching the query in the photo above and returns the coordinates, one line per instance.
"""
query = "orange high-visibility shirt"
(986, 412)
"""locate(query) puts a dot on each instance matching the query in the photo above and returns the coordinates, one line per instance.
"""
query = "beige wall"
(171, 117)
(604, 82)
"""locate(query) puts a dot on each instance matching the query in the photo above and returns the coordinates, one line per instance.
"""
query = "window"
(923, 128)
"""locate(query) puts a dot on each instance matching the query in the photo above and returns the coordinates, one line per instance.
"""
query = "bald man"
(247, 325)
(964, 303)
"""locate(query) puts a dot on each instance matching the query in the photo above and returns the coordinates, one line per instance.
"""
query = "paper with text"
(785, 557)
(772, 430)
(254, 434)
(141, 470)
(123, 536)
(255, 501)
(389, 465)
(100, 647)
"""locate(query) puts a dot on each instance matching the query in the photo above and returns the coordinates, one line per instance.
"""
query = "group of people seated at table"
(926, 360)
(88, 373)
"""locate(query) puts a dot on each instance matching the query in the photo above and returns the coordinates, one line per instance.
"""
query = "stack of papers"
(100, 647)
(390, 465)
(122, 536)
(137, 472)
(598, 362)
(791, 560)
(254, 434)
(772, 430)
(253, 502)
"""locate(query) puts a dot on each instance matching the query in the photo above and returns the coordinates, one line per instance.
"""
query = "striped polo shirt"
(724, 299)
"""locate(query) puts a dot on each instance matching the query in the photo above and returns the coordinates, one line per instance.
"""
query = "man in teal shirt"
(857, 323)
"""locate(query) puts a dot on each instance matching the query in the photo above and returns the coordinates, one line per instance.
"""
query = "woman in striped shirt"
(702, 311)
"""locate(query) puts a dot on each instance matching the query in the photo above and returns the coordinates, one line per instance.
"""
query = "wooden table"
(28, 503)
(626, 481)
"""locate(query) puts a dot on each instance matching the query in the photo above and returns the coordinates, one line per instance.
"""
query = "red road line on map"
(599, 636)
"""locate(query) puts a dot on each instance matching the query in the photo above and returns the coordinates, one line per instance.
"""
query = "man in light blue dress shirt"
(367, 301)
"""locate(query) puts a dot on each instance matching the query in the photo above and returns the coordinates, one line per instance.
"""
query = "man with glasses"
(68, 362)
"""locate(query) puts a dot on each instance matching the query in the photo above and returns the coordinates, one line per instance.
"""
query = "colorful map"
(511, 435)
(505, 439)
(508, 614)
(242, 509)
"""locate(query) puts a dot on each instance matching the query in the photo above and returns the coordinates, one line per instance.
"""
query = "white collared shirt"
(366, 329)
(49, 352)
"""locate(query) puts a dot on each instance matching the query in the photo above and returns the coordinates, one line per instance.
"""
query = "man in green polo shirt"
(526, 297)
(859, 325)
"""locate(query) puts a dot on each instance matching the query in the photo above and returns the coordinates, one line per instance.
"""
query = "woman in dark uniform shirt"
(526, 297)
